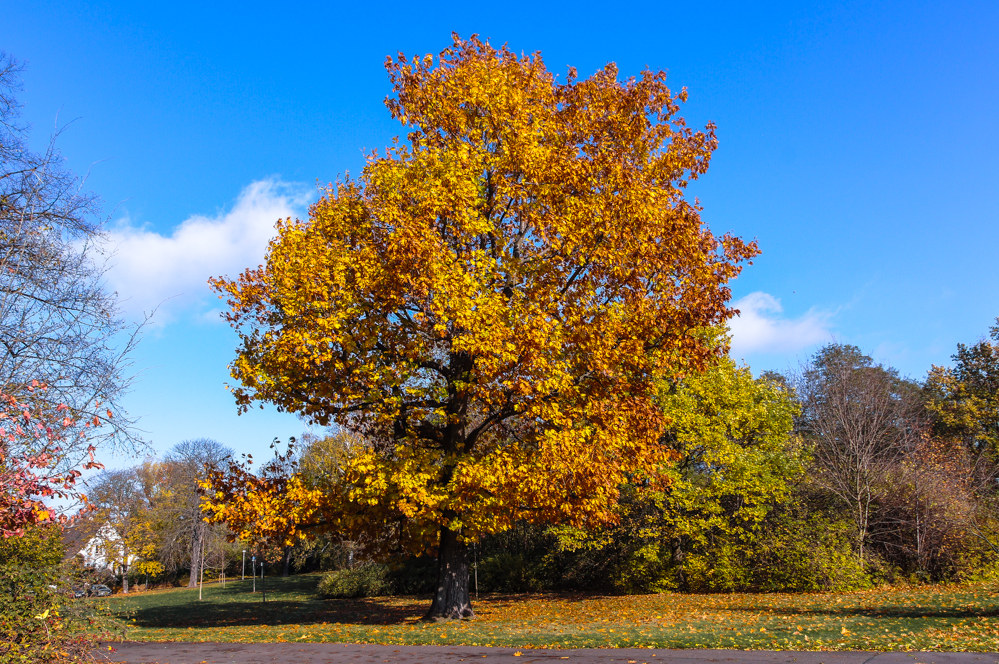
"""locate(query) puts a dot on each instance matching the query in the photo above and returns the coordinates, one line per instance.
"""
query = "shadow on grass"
(289, 601)
(273, 613)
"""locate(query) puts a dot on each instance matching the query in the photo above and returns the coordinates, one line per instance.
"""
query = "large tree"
(492, 301)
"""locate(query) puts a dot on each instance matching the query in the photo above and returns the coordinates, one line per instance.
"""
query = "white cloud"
(759, 327)
(151, 270)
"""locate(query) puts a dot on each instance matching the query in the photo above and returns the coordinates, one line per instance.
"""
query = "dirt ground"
(349, 653)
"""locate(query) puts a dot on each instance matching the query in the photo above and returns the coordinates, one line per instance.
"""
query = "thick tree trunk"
(451, 601)
(287, 561)
(198, 535)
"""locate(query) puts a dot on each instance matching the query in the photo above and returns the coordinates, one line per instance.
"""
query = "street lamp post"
(253, 568)
(242, 576)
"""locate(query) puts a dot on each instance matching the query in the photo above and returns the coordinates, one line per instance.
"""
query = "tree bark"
(451, 601)
(199, 534)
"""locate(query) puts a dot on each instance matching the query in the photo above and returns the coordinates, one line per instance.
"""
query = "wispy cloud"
(760, 327)
(151, 270)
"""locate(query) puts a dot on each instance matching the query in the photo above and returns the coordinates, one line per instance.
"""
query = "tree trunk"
(451, 601)
(196, 540)
(287, 561)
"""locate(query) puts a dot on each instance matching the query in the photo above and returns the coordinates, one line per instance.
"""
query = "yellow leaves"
(522, 268)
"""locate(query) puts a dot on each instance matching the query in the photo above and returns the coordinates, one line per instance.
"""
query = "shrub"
(647, 569)
(39, 623)
(365, 580)
(810, 553)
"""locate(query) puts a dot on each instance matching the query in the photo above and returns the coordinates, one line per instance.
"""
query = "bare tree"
(926, 515)
(187, 463)
(863, 421)
(58, 323)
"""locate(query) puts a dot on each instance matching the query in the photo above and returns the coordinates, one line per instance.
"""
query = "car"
(79, 592)
(99, 590)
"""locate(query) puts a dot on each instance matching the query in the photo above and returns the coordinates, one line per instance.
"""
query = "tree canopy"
(965, 398)
(493, 300)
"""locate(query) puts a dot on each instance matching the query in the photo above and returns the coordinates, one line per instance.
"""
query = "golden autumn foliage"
(492, 300)
(964, 399)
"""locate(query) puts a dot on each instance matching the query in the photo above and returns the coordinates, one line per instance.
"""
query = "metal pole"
(263, 582)
(201, 579)
(242, 577)
(253, 568)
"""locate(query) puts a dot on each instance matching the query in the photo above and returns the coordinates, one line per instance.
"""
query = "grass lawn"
(903, 618)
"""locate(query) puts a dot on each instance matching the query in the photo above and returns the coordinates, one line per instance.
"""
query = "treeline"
(144, 523)
(842, 475)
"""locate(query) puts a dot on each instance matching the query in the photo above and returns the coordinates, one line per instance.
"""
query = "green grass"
(901, 618)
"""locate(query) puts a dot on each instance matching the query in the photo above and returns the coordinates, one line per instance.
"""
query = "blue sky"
(858, 145)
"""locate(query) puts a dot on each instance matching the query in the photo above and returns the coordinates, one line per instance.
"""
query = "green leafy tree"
(39, 623)
(737, 461)
(965, 397)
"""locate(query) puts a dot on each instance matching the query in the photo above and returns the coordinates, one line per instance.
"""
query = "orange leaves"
(31, 440)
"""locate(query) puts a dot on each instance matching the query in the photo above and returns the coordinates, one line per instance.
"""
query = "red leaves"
(28, 459)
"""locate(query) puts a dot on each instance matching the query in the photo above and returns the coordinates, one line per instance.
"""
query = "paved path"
(349, 653)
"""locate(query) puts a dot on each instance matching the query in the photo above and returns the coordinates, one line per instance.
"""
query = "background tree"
(493, 300)
(862, 421)
(964, 401)
(965, 398)
(120, 518)
(186, 534)
(737, 460)
(923, 520)
(322, 463)
(58, 323)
